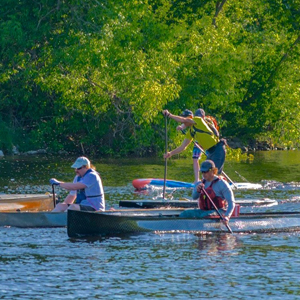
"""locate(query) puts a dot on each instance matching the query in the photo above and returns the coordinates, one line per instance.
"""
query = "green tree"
(94, 76)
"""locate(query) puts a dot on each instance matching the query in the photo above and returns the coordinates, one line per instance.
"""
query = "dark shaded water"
(46, 264)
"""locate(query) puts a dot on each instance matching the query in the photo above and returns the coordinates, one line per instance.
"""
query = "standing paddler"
(197, 150)
(201, 132)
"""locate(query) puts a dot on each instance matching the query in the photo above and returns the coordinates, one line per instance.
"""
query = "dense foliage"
(94, 75)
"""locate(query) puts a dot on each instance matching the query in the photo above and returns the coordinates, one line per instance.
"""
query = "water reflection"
(207, 243)
(214, 244)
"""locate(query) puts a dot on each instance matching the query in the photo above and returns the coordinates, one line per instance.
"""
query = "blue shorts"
(196, 152)
(217, 154)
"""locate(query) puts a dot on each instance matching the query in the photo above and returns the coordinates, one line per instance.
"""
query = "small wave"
(272, 185)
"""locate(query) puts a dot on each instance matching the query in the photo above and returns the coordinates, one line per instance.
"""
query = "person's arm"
(179, 149)
(181, 127)
(178, 119)
(72, 186)
(215, 131)
(69, 199)
(211, 125)
(228, 195)
(197, 189)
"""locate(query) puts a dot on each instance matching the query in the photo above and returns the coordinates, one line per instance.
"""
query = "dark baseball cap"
(187, 113)
(199, 113)
(207, 165)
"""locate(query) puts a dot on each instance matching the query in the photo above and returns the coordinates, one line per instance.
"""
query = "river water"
(46, 264)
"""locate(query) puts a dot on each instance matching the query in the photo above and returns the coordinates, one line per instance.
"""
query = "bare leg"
(74, 207)
(196, 169)
(64, 205)
(60, 207)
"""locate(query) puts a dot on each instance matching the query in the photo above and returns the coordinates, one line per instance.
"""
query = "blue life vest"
(81, 193)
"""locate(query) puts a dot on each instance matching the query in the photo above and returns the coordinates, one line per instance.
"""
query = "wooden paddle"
(166, 160)
(204, 191)
(53, 196)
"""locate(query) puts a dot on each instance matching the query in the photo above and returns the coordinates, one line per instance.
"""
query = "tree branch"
(219, 6)
(273, 73)
(47, 14)
(283, 59)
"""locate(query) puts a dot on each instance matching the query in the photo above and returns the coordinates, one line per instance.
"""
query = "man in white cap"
(86, 190)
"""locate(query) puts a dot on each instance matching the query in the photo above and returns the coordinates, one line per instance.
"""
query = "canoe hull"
(33, 219)
(189, 203)
(81, 224)
(26, 202)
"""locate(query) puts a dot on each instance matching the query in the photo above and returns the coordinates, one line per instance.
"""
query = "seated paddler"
(211, 187)
(86, 190)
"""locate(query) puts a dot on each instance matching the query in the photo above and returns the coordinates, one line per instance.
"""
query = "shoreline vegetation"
(94, 78)
(235, 148)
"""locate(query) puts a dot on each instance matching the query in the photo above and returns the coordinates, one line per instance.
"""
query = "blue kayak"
(141, 184)
(144, 183)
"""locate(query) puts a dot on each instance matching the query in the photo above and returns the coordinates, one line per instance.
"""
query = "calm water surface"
(46, 264)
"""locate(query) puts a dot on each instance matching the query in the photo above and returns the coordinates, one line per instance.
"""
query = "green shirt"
(201, 132)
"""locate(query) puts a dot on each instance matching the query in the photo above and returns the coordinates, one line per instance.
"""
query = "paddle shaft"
(242, 177)
(166, 160)
(53, 196)
(223, 173)
(215, 207)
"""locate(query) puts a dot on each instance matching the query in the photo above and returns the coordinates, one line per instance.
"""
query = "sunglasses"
(204, 172)
(77, 169)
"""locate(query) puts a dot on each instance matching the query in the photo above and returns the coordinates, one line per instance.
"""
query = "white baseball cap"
(81, 161)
